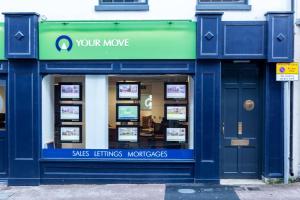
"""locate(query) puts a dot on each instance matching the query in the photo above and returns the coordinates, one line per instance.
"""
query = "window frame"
(223, 5)
(53, 153)
(102, 6)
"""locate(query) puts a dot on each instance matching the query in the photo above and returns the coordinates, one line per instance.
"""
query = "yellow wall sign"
(287, 71)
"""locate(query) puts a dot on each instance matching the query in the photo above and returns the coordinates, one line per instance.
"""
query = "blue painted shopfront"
(218, 42)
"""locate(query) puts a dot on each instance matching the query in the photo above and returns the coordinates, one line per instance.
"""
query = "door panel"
(248, 163)
(231, 111)
(230, 166)
(240, 121)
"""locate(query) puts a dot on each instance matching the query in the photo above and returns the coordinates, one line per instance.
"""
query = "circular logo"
(282, 69)
(249, 105)
(64, 42)
(148, 102)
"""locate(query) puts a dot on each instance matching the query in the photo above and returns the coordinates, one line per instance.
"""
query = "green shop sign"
(117, 40)
(2, 41)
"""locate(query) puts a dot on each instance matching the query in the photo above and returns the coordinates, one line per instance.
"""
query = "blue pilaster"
(21, 35)
(209, 32)
(207, 120)
(21, 47)
(273, 120)
(280, 36)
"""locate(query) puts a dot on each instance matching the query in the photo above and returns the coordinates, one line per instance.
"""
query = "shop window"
(223, 5)
(122, 5)
(2, 105)
(98, 112)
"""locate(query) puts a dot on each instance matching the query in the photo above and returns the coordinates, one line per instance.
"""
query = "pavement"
(152, 192)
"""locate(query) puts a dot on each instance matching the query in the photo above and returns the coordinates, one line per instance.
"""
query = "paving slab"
(200, 192)
(236, 192)
(270, 192)
(89, 192)
(152, 192)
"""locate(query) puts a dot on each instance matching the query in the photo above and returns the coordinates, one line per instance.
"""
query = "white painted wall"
(296, 117)
(159, 9)
(296, 120)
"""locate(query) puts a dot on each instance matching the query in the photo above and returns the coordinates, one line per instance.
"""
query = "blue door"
(3, 132)
(241, 121)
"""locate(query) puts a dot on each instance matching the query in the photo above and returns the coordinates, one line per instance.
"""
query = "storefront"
(143, 101)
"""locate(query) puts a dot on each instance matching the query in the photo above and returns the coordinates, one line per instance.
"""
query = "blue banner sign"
(113, 154)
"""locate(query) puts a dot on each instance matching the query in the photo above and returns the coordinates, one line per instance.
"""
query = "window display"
(70, 113)
(70, 91)
(128, 91)
(176, 112)
(2, 104)
(70, 134)
(128, 133)
(176, 134)
(176, 91)
(128, 112)
(99, 116)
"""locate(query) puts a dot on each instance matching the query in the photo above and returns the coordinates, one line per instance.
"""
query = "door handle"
(240, 128)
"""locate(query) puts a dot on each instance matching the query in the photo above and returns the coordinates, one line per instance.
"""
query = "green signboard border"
(2, 57)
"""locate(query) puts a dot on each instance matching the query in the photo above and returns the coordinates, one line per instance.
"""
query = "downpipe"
(291, 153)
(291, 131)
